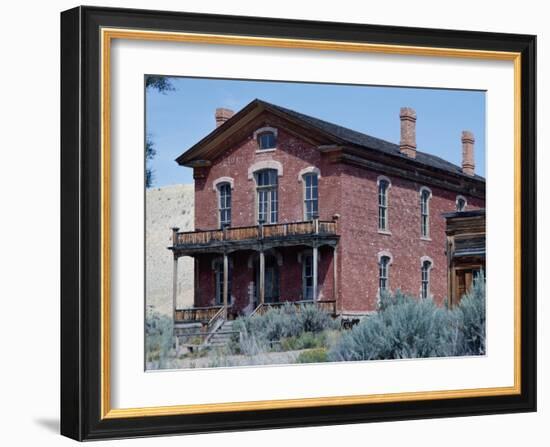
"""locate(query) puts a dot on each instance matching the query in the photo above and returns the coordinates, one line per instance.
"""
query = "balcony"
(256, 237)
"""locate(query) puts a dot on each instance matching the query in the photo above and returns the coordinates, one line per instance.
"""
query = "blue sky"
(178, 119)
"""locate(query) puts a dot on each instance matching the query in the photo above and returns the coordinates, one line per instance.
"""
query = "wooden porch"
(259, 238)
(208, 315)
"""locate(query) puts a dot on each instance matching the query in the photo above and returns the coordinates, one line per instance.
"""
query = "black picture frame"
(81, 208)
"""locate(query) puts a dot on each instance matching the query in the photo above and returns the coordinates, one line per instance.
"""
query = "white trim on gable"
(309, 170)
(383, 177)
(425, 188)
(265, 129)
(424, 259)
(221, 180)
(265, 164)
(458, 197)
(383, 253)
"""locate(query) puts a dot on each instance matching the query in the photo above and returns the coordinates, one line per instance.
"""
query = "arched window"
(267, 140)
(384, 273)
(311, 196)
(383, 187)
(461, 203)
(224, 204)
(267, 196)
(218, 272)
(425, 195)
(425, 279)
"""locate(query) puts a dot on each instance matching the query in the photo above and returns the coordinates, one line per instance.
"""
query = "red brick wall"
(343, 189)
(244, 264)
(293, 154)
(361, 242)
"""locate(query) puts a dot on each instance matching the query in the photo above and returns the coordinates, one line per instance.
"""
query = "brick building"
(292, 208)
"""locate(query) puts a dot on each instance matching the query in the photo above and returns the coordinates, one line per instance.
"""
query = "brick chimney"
(407, 145)
(468, 164)
(222, 115)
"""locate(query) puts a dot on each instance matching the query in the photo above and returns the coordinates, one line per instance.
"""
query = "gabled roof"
(340, 135)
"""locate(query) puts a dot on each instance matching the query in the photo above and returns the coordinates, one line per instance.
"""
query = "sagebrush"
(408, 327)
(158, 338)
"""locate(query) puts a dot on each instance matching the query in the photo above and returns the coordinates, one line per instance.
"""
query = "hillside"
(165, 208)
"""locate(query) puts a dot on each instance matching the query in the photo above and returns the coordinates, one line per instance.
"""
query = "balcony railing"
(197, 314)
(329, 306)
(281, 230)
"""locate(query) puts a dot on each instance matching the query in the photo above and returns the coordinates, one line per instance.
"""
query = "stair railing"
(213, 325)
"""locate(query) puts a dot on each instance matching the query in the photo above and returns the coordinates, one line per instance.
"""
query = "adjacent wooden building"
(465, 251)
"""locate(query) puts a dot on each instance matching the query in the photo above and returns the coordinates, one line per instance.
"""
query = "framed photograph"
(274, 223)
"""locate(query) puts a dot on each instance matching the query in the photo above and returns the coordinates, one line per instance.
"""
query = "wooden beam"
(174, 286)
(225, 284)
(196, 281)
(335, 273)
(262, 277)
(315, 274)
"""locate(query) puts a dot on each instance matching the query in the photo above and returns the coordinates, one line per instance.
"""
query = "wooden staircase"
(222, 335)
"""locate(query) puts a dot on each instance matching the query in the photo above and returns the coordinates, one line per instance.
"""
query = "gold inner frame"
(107, 35)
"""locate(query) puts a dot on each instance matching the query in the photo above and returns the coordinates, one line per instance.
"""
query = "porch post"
(315, 257)
(174, 285)
(225, 284)
(262, 277)
(335, 272)
(195, 281)
(174, 272)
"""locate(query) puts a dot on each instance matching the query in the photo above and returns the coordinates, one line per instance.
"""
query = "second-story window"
(383, 273)
(267, 196)
(425, 279)
(311, 196)
(267, 140)
(425, 195)
(224, 194)
(383, 186)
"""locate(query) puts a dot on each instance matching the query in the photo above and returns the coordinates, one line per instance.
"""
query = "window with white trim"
(383, 187)
(383, 273)
(311, 196)
(224, 204)
(425, 195)
(461, 204)
(267, 196)
(425, 279)
(267, 140)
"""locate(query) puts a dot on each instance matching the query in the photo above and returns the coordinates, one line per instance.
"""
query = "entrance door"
(271, 294)
(464, 281)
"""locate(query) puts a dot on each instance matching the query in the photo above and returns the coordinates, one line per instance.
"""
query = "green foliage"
(471, 317)
(251, 345)
(160, 83)
(313, 319)
(293, 327)
(318, 355)
(306, 340)
(150, 153)
(407, 327)
(158, 338)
